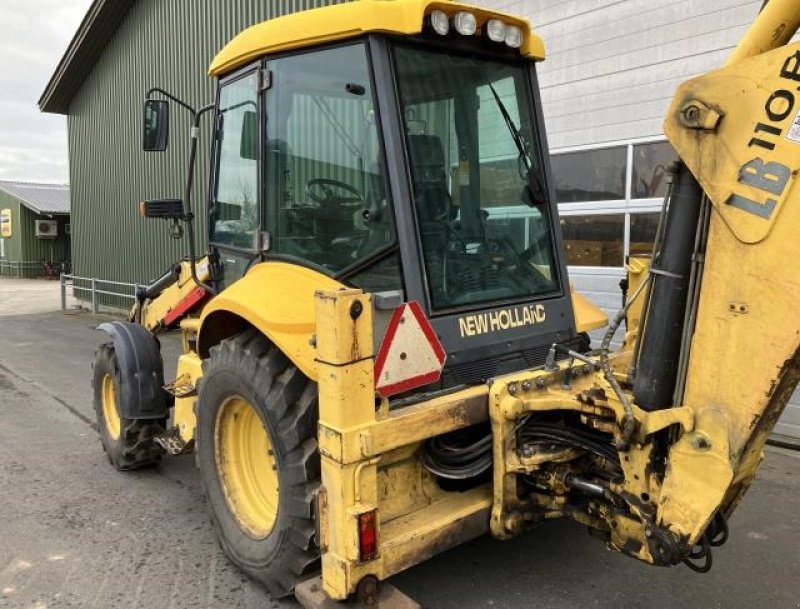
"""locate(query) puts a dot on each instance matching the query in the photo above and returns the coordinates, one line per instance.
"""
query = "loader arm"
(161, 305)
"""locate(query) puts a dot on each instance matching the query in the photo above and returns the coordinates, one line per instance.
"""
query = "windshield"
(482, 214)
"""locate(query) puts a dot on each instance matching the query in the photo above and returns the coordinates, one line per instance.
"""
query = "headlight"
(465, 23)
(513, 36)
(439, 22)
(496, 30)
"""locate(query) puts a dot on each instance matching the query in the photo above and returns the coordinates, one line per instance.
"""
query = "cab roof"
(349, 20)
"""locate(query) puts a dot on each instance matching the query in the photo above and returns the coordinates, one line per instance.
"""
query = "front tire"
(258, 458)
(129, 443)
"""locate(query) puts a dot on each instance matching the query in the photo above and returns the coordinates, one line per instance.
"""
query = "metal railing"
(95, 288)
(15, 268)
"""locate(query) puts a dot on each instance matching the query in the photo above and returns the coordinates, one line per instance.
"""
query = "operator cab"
(413, 164)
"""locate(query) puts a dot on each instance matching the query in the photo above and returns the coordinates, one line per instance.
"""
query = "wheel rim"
(110, 411)
(247, 467)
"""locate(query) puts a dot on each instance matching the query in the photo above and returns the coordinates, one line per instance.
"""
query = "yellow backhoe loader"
(382, 354)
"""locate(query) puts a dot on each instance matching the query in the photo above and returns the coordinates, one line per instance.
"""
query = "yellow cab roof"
(348, 20)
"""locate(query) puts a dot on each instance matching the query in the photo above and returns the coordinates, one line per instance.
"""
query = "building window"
(594, 240)
(590, 175)
(650, 169)
(610, 200)
(643, 233)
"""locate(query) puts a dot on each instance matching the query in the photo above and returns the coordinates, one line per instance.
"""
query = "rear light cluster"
(466, 24)
(368, 535)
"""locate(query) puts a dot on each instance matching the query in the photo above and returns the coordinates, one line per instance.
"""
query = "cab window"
(234, 212)
(326, 189)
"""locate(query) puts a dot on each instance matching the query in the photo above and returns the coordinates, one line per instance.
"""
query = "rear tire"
(275, 408)
(128, 443)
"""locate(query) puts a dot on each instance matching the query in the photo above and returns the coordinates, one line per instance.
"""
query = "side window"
(326, 189)
(234, 214)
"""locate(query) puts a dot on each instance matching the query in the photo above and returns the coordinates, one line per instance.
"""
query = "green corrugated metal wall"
(24, 247)
(166, 43)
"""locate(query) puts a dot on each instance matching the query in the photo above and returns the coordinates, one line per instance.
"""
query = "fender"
(588, 316)
(141, 371)
(277, 298)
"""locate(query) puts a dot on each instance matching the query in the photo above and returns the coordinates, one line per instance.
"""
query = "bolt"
(512, 388)
(587, 369)
(691, 114)
(526, 385)
(541, 382)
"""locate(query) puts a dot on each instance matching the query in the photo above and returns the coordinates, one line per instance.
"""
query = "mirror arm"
(188, 216)
(171, 97)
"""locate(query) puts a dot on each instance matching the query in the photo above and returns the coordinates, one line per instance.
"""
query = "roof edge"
(8, 187)
(98, 26)
(345, 20)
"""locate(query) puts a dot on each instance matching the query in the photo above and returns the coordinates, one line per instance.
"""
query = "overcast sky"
(33, 146)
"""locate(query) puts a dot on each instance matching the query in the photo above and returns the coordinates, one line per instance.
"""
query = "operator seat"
(430, 178)
(434, 205)
(290, 234)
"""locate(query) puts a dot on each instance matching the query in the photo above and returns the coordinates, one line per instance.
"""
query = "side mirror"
(248, 149)
(156, 125)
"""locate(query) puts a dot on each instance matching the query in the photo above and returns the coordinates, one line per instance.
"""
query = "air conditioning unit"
(68, 229)
(46, 229)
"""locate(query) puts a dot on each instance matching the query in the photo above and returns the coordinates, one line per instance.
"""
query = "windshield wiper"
(535, 186)
(512, 128)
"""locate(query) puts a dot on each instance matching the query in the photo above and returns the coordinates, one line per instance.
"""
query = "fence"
(93, 290)
(22, 268)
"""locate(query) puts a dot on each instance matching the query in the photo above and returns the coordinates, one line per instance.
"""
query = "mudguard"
(277, 298)
(141, 371)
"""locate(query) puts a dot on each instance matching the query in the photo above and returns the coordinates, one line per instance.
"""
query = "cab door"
(236, 197)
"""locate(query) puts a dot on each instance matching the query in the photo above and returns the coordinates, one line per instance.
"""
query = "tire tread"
(292, 406)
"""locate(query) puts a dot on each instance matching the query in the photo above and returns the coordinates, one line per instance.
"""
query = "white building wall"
(613, 65)
(611, 70)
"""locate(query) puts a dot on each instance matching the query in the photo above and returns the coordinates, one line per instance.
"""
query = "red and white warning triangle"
(410, 355)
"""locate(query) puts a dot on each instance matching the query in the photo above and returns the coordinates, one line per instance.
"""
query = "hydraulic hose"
(628, 421)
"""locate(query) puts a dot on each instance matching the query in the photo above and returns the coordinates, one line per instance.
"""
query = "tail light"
(368, 535)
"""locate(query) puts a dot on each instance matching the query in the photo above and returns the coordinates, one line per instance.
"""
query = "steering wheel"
(323, 191)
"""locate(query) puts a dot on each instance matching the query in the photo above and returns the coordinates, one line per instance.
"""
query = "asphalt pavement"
(76, 533)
